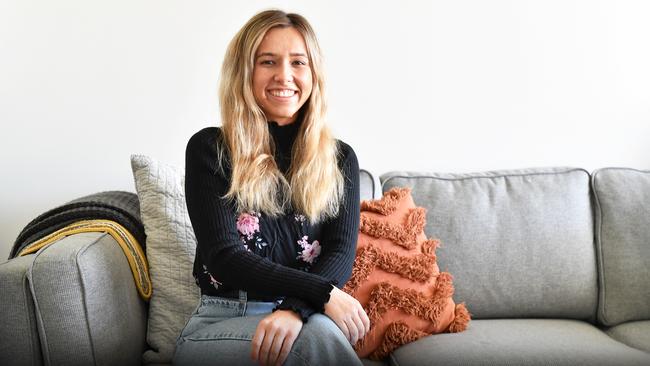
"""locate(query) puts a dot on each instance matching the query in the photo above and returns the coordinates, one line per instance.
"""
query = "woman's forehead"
(281, 41)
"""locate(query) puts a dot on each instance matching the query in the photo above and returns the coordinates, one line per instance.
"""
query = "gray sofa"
(553, 264)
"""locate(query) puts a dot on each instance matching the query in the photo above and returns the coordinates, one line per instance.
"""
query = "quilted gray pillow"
(170, 251)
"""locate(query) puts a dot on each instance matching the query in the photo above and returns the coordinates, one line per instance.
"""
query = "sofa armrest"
(19, 343)
(87, 307)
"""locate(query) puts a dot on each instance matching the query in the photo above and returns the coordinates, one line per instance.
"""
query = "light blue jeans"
(220, 330)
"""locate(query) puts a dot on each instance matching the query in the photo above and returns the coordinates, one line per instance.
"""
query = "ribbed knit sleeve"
(339, 236)
(214, 221)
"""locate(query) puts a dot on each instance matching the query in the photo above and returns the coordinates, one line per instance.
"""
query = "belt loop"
(243, 299)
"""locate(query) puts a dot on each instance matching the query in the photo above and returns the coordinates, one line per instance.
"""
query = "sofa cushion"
(634, 334)
(83, 318)
(519, 243)
(623, 242)
(396, 279)
(171, 245)
(521, 342)
(366, 185)
(19, 343)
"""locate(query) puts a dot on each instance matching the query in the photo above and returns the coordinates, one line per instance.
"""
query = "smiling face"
(282, 79)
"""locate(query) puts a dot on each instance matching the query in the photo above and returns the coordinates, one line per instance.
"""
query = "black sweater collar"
(284, 135)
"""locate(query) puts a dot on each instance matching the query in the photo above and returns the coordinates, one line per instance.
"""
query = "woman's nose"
(284, 73)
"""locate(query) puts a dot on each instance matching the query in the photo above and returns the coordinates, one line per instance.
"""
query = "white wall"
(450, 86)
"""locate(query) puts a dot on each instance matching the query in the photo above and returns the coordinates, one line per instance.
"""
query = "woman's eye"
(271, 62)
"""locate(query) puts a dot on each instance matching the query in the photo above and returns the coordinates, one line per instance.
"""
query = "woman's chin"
(282, 118)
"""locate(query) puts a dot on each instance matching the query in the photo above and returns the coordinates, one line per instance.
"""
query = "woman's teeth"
(282, 93)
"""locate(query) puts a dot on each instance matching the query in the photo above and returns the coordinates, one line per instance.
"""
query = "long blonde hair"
(314, 184)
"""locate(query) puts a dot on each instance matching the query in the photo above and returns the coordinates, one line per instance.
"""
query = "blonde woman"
(274, 202)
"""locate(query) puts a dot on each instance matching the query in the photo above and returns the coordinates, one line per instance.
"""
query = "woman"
(274, 203)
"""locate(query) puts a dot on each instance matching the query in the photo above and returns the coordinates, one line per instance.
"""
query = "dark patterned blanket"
(120, 206)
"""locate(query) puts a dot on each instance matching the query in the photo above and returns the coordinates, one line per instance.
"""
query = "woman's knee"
(321, 342)
(322, 326)
(223, 352)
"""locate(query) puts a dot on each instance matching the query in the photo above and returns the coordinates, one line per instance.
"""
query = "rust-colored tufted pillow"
(396, 279)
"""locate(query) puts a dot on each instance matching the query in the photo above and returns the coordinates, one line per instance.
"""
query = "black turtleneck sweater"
(271, 258)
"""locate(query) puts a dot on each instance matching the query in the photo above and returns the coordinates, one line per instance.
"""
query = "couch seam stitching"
(32, 346)
(503, 175)
(392, 358)
(45, 349)
(599, 249)
(83, 293)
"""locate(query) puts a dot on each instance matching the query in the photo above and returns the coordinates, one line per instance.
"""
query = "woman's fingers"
(354, 331)
(274, 337)
(344, 329)
(286, 347)
(265, 349)
(361, 329)
(365, 320)
(276, 346)
(348, 314)
(256, 343)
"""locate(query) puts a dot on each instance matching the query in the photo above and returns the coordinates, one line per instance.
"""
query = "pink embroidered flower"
(248, 224)
(310, 251)
(303, 242)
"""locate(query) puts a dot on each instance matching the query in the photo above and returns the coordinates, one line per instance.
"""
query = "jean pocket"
(224, 303)
(187, 322)
(212, 310)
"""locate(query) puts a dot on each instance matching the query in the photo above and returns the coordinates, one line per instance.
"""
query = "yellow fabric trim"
(130, 246)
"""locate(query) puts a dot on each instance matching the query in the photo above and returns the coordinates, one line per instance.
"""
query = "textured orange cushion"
(396, 278)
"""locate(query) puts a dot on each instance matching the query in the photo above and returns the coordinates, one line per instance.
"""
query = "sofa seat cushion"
(520, 342)
(634, 334)
(369, 362)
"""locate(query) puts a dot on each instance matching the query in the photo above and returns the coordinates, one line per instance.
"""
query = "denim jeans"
(220, 331)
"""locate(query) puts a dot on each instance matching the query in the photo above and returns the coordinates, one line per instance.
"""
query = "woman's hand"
(274, 337)
(348, 314)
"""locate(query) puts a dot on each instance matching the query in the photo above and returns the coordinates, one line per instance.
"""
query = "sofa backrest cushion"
(367, 189)
(519, 243)
(622, 199)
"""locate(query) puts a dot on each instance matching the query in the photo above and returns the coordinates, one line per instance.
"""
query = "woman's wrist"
(326, 298)
(298, 306)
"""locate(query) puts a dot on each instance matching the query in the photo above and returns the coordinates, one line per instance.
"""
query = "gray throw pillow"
(170, 249)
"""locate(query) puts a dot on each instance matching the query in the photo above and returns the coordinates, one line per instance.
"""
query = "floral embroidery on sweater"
(213, 282)
(248, 225)
(309, 251)
(299, 218)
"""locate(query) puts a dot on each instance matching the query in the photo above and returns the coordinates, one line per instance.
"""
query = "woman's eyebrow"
(273, 54)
